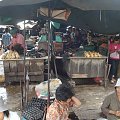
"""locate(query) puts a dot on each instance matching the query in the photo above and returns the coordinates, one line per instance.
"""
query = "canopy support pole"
(49, 51)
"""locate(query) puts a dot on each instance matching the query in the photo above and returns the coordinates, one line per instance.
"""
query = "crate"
(58, 47)
(43, 45)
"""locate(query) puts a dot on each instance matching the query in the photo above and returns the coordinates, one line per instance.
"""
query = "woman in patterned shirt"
(65, 98)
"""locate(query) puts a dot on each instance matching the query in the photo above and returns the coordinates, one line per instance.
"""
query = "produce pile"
(92, 54)
(10, 55)
(54, 83)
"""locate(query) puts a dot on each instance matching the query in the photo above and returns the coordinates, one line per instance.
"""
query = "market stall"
(82, 67)
(14, 69)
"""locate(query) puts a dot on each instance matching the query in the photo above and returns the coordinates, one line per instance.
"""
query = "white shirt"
(114, 55)
(13, 116)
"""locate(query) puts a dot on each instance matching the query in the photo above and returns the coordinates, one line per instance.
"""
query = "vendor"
(36, 107)
(111, 104)
(58, 37)
(17, 40)
(43, 36)
(114, 50)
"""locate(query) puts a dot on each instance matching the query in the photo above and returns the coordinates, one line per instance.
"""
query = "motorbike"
(35, 52)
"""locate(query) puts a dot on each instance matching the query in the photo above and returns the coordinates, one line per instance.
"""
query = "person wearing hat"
(5, 114)
(111, 104)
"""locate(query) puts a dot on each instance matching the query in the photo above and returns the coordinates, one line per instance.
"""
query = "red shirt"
(113, 48)
(19, 39)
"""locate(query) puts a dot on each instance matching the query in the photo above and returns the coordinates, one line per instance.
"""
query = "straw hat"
(3, 107)
(118, 83)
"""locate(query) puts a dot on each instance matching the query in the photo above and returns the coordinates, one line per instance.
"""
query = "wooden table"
(14, 69)
(81, 67)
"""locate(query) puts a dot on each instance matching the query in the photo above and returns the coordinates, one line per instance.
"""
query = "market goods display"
(92, 54)
(54, 83)
(10, 55)
(2, 78)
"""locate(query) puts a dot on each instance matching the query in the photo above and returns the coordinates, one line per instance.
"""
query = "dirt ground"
(91, 97)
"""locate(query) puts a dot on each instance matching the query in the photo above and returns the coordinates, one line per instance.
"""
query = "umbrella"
(19, 2)
(97, 19)
(23, 12)
(95, 4)
(28, 24)
(105, 22)
(81, 4)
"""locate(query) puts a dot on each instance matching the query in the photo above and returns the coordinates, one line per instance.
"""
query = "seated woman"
(111, 104)
(34, 109)
(65, 99)
(5, 114)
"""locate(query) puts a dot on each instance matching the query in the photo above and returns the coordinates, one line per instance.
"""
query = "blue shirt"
(6, 38)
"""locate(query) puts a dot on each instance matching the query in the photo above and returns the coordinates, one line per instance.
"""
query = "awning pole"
(49, 50)
(24, 65)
